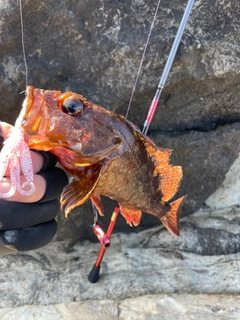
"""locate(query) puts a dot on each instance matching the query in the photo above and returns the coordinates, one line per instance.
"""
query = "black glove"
(28, 226)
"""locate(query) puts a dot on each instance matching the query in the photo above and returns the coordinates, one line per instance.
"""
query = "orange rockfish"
(105, 153)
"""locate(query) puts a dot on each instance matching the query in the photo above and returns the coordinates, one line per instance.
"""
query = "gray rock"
(153, 307)
(143, 276)
(228, 193)
(201, 155)
(204, 259)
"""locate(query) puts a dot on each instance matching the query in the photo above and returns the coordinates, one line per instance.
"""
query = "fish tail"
(171, 218)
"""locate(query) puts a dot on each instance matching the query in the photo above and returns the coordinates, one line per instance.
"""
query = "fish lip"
(26, 120)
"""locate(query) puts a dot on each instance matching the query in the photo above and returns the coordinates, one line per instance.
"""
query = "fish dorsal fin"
(132, 217)
(79, 191)
(169, 176)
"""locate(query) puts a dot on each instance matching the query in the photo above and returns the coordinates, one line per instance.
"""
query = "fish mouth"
(34, 118)
(34, 106)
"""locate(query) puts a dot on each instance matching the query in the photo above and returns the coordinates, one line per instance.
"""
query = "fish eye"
(72, 106)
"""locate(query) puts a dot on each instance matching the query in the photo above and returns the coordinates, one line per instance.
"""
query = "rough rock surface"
(228, 193)
(149, 307)
(143, 275)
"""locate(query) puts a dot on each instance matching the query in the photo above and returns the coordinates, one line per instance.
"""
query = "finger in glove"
(29, 238)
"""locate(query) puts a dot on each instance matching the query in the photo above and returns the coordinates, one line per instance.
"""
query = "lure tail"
(171, 218)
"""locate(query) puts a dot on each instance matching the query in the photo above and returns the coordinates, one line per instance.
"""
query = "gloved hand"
(28, 223)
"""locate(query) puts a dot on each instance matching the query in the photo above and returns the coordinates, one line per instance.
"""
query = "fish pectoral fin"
(132, 217)
(171, 218)
(96, 201)
(79, 191)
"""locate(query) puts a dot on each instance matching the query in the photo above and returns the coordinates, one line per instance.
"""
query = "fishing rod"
(167, 67)
(104, 238)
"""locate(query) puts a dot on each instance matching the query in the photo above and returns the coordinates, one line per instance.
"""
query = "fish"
(105, 153)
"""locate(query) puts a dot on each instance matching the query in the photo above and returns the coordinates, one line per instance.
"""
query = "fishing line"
(23, 46)
(141, 62)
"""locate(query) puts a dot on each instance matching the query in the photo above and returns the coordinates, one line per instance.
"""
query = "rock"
(182, 307)
(201, 154)
(205, 66)
(158, 306)
(192, 263)
(174, 271)
(228, 194)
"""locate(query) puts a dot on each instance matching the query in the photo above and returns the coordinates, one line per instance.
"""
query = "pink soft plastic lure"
(16, 154)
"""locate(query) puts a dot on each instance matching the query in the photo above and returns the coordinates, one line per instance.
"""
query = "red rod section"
(108, 234)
